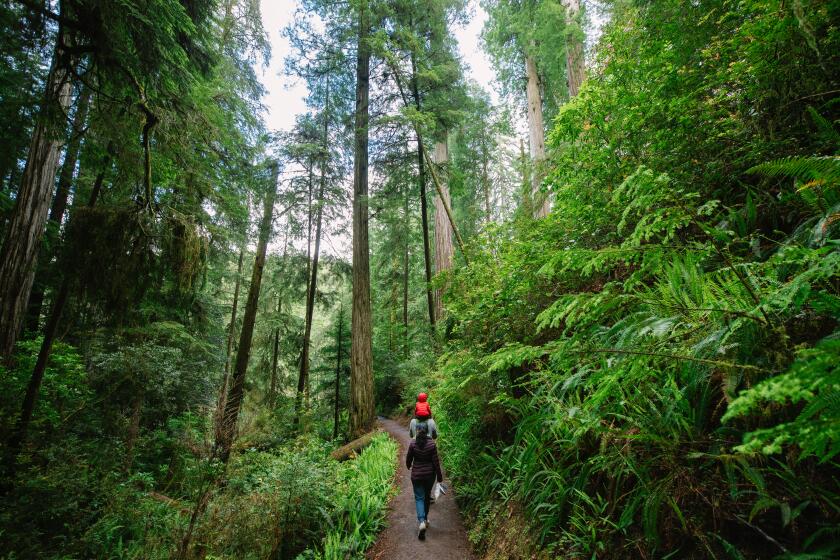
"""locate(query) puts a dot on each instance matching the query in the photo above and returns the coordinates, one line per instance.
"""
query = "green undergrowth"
(81, 493)
(652, 371)
(360, 502)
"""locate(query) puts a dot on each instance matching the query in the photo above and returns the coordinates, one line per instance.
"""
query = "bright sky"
(285, 99)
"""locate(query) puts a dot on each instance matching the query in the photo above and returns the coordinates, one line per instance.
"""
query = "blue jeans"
(423, 497)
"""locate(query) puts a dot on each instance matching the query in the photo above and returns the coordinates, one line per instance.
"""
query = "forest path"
(446, 539)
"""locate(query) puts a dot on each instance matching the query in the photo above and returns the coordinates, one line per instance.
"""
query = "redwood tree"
(362, 412)
(19, 254)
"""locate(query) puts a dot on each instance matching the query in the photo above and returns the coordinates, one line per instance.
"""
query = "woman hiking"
(422, 459)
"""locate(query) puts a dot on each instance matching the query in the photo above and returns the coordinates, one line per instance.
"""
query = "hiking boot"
(422, 534)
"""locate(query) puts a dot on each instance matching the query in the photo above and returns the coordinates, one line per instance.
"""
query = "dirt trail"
(446, 539)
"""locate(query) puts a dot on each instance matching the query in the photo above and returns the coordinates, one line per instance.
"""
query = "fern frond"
(828, 400)
(825, 128)
(805, 168)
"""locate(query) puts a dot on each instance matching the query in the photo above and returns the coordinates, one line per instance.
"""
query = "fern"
(813, 379)
(814, 168)
(825, 129)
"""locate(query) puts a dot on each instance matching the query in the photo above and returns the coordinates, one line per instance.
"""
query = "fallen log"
(353, 448)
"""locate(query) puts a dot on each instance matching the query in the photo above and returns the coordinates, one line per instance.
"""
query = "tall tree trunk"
(443, 227)
(525, 185)
(237, 386)
(485, 178)
(574, 49)
(362, 413)
(536, 137)
(303, 376)
(338, 369)
(71, 157)
(233, 310)
(19, 254)
(309, 225)
(223, 390)
(392, 304)
(59, 205)
(407, 231)
(424, 212)
(20, 432)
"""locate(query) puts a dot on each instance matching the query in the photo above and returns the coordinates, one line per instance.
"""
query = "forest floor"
(446, 538)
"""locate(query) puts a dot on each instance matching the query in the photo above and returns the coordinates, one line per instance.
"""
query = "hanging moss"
(185, 251)
(120, 253)
(112, 250)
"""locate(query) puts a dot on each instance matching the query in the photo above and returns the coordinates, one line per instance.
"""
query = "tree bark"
(424, 212)
(443, 227)
(574, 49)
(33, 388)
(338, 370)
(407, 230)
(536, 137)
(59, 206)
(362, 412)
(237, 388)
(19, 254)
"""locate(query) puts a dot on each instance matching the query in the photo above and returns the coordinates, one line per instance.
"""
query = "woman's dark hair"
(422, 435)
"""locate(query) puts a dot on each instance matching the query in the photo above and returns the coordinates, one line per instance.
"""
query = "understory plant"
(651, 370)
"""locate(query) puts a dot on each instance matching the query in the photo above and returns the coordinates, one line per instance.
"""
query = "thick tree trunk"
(21, 245)
(407, 230)
(59, 205)
(574, 49)
(338, 370)
(424, 212)
(536, 137)
(237, 384)
(33, 388)
(443, 227)
(362, 414)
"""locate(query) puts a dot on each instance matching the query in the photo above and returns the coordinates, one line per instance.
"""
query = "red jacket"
(421, 407)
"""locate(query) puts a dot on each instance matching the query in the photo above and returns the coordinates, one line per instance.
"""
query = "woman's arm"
(409, 457)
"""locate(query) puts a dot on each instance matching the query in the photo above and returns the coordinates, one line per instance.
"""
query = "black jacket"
(425, 461)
